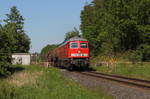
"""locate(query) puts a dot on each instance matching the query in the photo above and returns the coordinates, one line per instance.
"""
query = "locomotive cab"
(78, 49)
(79, 53)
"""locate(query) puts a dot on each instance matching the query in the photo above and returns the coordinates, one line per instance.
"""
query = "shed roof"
(21, 54)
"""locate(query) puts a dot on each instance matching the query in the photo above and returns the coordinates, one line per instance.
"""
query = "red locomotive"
(70, 54)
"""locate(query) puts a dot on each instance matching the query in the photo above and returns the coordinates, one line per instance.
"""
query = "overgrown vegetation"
(12, 39)
(117, 26)
(44, 83)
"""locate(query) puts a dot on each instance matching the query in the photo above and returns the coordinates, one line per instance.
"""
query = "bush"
(141, 54)
(144, 50)
(5, 64)
(4, 68)
(135, 56)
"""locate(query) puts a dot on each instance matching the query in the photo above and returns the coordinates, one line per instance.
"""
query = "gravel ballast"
(119, 91)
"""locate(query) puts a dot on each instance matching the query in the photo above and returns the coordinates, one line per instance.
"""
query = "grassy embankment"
(122, 66)
(35, 82)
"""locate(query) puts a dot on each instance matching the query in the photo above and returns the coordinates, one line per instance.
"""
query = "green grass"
(141, 71)
(35, 82)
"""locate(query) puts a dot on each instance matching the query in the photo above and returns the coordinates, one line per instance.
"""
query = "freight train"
(72, 54)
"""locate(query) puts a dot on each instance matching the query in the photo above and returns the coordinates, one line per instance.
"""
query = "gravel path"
(119, 91)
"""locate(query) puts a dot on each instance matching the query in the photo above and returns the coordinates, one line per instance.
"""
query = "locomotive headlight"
(85, 54)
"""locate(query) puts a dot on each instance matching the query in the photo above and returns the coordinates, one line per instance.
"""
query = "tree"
(46, 49)
(15, 17)
(114, 26)
(71, 34)
(15, 23)
(6, 43)
(12, 39)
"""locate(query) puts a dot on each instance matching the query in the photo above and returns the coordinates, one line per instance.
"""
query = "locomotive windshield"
(74, 45)
(83, 45)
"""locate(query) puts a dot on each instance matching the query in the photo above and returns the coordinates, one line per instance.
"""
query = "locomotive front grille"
(80, 62)
(78, 54)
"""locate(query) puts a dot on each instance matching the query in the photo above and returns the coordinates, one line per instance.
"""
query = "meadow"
(35, 82)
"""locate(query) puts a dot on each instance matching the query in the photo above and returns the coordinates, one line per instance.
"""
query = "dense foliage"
(12, 39)
(114, 26)
(141, 54)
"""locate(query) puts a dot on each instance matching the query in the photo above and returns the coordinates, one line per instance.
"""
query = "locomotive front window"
(74, 45)
(83, 45)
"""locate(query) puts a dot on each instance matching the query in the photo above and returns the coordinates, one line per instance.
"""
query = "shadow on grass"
(16, 69)
(11, 71)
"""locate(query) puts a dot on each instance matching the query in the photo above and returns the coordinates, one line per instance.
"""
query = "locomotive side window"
(83, 45)
(74, 45)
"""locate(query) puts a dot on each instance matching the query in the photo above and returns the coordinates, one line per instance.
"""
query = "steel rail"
(145, 84)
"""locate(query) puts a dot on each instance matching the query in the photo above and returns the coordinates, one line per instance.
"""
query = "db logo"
(79, 51)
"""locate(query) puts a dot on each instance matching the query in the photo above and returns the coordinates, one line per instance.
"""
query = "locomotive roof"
(76, 38)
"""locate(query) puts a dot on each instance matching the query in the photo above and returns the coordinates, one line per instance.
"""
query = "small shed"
(21, 58)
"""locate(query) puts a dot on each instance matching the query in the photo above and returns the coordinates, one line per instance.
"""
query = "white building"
(21, 58)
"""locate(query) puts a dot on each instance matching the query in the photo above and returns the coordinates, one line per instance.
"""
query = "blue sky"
(46, 21)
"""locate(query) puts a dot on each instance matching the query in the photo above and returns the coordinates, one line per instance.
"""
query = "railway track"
(139, 83)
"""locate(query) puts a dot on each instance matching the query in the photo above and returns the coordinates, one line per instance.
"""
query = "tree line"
(117, 26)
(13, 39)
